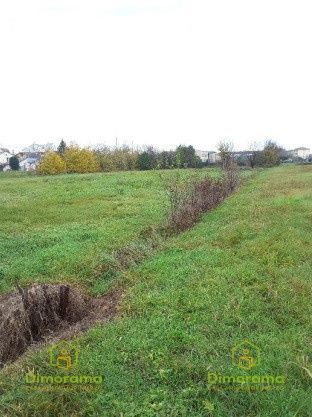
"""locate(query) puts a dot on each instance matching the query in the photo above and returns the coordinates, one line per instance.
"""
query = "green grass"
(243, 272)
(63, 228)
(59, 228)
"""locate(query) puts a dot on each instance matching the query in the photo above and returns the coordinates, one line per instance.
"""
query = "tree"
(61, 148)
(226, 151)
(165, 160)
(51, 164)
(14, 163)
(253, 156)
(144, 161)
(117, 159)
(282, 153)
(104, 158)
(153, 155)
(229, 166)
(148, 159)
(80, 160)
(270, 154)
(185, 157)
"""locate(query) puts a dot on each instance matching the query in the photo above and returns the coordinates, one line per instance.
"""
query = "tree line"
(73, 159)
(81, 160)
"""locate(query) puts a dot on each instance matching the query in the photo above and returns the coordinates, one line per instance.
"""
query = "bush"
(80, 160)
(190, 199)
(185, 157)
(271, 154)
(14, 163)
(119, 159)
(166, 160)
(229, 167)
(51, 164)
(148, 159)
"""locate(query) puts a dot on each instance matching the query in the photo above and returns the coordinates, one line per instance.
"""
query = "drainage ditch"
(46, 313)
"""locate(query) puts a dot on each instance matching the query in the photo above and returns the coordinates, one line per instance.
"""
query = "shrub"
(271, 154)
(51, 164)
(166, 160)
(144, 161)
(123, 159)
(190, 199)
(118, 159)
(229, 167)
(14, 163)
(80, 160)
(148, 159)
(185, 157)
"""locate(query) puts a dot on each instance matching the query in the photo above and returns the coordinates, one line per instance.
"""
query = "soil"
(41, 314)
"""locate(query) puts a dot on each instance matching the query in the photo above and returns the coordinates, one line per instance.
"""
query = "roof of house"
(198, 150)
(242, 152)
(301, 149)
(37, 148)
(28, 161)
(3, 150)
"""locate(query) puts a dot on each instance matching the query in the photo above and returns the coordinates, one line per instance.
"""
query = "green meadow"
(62, 228)
(242, 273)
(56, 229)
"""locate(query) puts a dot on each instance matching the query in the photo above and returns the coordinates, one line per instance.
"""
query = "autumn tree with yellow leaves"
(51, 164)
(80, 160)
(72, 160)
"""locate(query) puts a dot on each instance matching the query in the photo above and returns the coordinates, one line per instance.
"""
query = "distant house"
(203, 155)
(6, 168)
(29, 164)
(35, 148)
(213, 157)
(302, 153)
(210, 157)
(242, 157)
(5, 155)
(29, 157)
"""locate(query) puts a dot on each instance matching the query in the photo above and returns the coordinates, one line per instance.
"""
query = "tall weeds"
(189, 199)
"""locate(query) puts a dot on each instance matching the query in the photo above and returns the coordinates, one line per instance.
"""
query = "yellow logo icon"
(245, 355)
(64, 355)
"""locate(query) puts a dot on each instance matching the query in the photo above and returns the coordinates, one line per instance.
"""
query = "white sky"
(156, 72)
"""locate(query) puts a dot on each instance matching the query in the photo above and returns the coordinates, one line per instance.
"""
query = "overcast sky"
(159, 72)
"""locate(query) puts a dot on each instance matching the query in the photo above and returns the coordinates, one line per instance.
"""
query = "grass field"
(243, 272)
(61, 228)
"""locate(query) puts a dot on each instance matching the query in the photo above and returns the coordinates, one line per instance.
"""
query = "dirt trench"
(47, 313)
